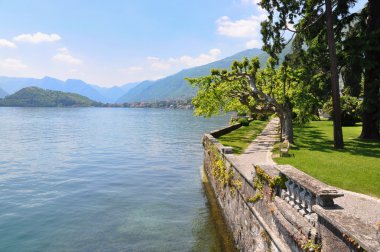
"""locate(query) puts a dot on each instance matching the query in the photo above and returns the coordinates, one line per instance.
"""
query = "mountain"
(114, 93)
(173, 87)
(176, 87)
(3, 93)
(11, 85)
(38, 97)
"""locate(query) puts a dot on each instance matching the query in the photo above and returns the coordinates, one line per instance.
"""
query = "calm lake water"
(104, 179)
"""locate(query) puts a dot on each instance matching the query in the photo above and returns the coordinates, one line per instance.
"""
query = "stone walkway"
(259, 152)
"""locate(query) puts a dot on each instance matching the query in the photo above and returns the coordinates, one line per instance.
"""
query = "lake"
(104, 179)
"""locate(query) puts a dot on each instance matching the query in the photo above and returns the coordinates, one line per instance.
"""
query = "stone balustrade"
(303, 192)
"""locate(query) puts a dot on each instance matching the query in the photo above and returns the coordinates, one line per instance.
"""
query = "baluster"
(284, 194)
(297, 190)
(303, 204)
(293, 191)
(289, 187)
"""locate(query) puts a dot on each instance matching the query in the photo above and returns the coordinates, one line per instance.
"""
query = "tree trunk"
(282, 133)
(338, 134)
(288, 124)
(371, 103)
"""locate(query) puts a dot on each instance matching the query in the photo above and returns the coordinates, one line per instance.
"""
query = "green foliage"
(246, 88)
(255, 198)
(262, 178)
(311, 246)
(356, 38)
(262, 117)
(237, 183)
(278, 181)
(244, 121)
(219, 170)
(351, 108)
(221, 91)
(37, 97)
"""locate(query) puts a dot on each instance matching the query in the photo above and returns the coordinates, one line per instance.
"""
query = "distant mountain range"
(176, 87)
(38, 97)
(11, 85)
(3, 93)
(173, 87)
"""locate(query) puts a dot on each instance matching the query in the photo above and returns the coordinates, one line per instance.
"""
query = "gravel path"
(259, 152)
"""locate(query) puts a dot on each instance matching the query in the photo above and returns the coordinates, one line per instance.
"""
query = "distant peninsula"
(38, 97)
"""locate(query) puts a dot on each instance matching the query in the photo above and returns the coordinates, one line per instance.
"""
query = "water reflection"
(209, 227)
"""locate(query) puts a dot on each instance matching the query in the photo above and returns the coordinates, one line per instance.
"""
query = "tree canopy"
(247, 88)
(330, 44)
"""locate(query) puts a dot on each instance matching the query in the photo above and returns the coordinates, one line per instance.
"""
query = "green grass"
(356, 168)
(240, 139)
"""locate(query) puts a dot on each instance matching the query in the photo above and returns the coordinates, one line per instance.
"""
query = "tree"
(338, 133)
(371, 102)
(246, 88)
(308, 17)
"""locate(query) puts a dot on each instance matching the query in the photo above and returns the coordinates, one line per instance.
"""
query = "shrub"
(244, 121)
(233, 120)
(262, 117)
(351, 109)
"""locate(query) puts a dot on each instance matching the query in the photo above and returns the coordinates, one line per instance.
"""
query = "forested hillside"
(37, 97)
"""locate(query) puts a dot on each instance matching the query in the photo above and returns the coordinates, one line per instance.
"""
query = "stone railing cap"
(315, 186)
(364, 234)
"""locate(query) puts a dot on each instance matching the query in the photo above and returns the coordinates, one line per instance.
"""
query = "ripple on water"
(94, 179)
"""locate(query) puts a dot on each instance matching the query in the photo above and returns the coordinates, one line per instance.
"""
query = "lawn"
(240, 139)
(356, 168)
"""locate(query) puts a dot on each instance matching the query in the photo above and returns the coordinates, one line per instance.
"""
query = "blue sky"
(114, 42)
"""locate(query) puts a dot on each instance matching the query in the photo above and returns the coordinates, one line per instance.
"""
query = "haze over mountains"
(11, 85)
(3, 93)
(173, 87)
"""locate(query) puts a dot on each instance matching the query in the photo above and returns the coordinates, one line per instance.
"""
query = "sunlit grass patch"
(240, 139)
(355, 168)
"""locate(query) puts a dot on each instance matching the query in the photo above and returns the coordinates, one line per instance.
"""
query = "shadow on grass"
(311, 138)
(363, 148)
(355, 168)
(314, 139)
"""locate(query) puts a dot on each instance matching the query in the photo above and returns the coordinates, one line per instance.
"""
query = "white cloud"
(248, 28)
(7, 43)
(200, 60)
(242, 28)
(64, 55)
(37, 37)
(254, 43)
(185, 60)
(154, 68)
(157, 63)
(13, 64)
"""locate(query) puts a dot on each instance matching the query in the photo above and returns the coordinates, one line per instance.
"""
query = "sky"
(115, 42)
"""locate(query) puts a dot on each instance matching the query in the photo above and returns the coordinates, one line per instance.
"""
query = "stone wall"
(282, 209)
